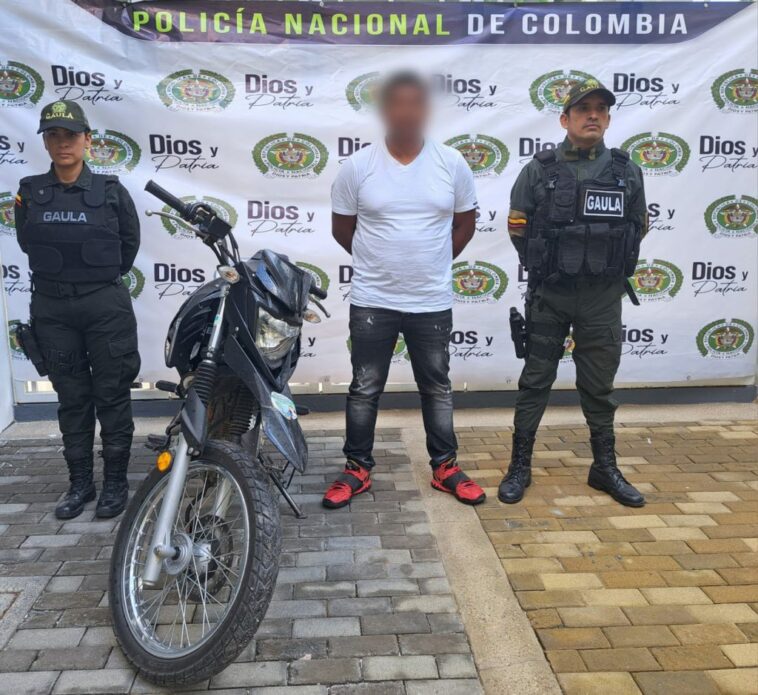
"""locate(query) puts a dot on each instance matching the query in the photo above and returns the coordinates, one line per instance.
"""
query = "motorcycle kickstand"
(299, 514)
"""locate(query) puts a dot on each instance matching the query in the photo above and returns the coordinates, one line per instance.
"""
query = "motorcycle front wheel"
(212, 596)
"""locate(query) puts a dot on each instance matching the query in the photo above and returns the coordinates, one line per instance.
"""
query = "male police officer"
(577, 216)
(81, 233)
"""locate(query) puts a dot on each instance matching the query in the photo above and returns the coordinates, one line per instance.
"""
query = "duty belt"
(579, 281)
(54, 288)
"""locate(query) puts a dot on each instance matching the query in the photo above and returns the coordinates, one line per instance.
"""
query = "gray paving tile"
(101, 682)
(445, 687)
(304, 671)
(384, 668)
(361, 606)
(31, 683)
(47, 638)
(251, 674)
(326, 627)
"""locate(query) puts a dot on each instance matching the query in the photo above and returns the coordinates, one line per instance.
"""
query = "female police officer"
(81, 233)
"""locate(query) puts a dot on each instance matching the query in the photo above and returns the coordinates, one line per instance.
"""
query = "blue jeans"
(373, 335)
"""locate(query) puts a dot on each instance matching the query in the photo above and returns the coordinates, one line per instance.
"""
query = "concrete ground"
(409, 592)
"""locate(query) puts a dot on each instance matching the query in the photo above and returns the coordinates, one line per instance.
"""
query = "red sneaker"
(351, 482)
(448, 477)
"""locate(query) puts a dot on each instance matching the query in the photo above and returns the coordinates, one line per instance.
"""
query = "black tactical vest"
(70, 236)
(582, 228)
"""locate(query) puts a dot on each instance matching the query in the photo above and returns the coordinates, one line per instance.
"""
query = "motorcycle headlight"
(274, 337)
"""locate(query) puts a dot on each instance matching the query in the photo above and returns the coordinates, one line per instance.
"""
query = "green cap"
(63, 114)
(582, 89)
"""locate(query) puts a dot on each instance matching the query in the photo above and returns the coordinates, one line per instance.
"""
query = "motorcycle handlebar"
(168, 198)
(317, 292)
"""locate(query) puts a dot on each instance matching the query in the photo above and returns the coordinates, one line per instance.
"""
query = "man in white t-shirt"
(404, 208)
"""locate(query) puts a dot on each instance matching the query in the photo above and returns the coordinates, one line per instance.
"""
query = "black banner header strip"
(407, 23)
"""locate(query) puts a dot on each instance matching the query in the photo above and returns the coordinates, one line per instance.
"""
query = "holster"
(518, 332)
(27, 341)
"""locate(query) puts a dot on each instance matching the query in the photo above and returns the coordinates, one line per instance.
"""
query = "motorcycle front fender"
(278, 415)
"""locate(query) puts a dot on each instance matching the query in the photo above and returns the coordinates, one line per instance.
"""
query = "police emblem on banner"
(657, 280)
(290, 156)
(399, 353)
(320, 278)
(20, 85)
(361, 92)
(7, 213)
(550, 91)
(134, 281)
(16, 352)
(733, 216)
(725, 338)
(112, 153)
(736, 91)
(478, 282)
(196, 90)
(485, 155)
(223, 209)
(658, 154)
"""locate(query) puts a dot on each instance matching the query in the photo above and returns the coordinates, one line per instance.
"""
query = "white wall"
(6, 388)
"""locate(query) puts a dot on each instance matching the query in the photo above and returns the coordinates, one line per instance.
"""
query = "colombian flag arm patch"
(517, 223)
(19, 201)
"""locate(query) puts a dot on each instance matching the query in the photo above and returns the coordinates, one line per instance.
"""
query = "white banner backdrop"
(261, 131)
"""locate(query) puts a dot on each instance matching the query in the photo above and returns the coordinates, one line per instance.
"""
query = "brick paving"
(362, 605)
(657, 600)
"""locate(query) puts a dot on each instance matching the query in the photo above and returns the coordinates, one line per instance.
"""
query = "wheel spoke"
(205, 579)
(203, 594)
(176, 617)
(199, 505)
(226, 569)
(183, 606)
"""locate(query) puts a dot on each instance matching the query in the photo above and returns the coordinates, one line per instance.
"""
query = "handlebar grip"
(169, 199)
(317, 292)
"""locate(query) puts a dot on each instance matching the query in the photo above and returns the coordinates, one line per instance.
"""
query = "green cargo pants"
(593, 309)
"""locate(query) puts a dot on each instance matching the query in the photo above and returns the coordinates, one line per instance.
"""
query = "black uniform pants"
(90, 345)
(593, 309)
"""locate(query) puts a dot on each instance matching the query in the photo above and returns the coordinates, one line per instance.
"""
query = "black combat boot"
(605, 475)
(80, 491)
(115, 492)
(519, 475)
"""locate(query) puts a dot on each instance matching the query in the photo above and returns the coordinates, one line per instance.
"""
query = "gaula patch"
(599, 203)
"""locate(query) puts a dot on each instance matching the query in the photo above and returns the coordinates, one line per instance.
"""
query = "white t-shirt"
(403, 246)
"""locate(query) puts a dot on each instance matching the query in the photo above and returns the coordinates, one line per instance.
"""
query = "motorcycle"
(196, 556)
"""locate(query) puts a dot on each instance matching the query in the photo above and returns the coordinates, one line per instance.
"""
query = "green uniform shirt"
(529, 190)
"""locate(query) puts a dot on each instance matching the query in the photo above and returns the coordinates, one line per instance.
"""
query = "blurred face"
(405, 113)
(587, 121)
(65, 147)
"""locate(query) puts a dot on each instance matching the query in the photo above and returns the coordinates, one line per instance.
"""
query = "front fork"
(161, 547)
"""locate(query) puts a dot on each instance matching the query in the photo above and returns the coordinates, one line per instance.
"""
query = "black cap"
(582, 89)
(63, 114)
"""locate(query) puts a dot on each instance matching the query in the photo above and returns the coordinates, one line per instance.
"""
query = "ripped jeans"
(379, 335)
